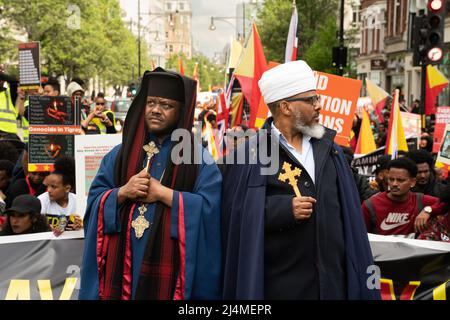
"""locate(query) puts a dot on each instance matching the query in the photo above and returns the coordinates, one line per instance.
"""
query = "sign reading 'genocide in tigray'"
(29, 66)
(53, 123)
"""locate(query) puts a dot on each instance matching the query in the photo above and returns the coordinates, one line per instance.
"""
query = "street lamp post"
(139, 32)
(212, 27)
(139, 38)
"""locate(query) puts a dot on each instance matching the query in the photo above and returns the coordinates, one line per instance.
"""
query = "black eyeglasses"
(100, 103)
(311, 100)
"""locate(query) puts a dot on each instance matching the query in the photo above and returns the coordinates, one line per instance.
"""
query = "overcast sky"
(208, 41)
(205, 40)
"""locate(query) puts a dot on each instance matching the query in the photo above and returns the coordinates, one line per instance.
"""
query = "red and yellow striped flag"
(378, 97)
(249, 71)
(396, 140)
(435, 83)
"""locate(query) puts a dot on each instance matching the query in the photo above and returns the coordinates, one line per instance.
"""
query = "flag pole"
(423, 88)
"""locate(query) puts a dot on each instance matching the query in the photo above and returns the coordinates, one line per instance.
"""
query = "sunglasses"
(311, 100)
(100, 103)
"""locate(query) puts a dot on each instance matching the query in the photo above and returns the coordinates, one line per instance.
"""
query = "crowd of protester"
(408, 196)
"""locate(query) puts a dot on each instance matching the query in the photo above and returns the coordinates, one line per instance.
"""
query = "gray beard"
(315, 131)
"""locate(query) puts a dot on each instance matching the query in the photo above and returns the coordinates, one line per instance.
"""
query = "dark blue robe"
(202, 227)
(243, 227)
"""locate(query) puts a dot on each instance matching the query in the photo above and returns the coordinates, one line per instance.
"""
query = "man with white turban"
(301, 238)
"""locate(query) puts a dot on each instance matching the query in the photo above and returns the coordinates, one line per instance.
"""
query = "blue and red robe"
(195, 223)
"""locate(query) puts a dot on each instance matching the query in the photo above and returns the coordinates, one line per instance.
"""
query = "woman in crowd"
(24, 217)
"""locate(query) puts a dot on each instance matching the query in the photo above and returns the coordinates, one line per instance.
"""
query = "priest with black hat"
(152, 223)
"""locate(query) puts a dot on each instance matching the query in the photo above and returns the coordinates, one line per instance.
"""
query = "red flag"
(292, 40)
(249, 71)
(196, 76)
(180, 66)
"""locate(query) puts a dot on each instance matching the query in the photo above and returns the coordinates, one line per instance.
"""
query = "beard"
(314, 130)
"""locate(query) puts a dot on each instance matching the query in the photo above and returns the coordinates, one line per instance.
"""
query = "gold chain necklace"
(140, 224)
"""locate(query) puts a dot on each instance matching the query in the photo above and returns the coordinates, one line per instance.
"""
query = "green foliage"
(81, 38)
(319, 54)
(209, 73)
(273, 26)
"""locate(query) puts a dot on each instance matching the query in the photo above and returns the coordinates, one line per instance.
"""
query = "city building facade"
(386, 56)
(178, 26)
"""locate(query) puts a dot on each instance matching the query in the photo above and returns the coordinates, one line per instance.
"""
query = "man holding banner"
(152, 226)
(298, 233)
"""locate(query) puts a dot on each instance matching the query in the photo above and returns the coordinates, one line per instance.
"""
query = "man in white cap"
(297, 234)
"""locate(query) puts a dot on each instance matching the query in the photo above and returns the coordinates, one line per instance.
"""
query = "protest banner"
(444, 150)
(412, 269)
(53, 123)
(339, 97)
(412, 124)
(89, 152)
(29, 66)
(365, 164)
(42, 267)
(442, 118)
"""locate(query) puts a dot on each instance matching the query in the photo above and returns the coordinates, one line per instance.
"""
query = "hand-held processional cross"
(140, 224)
(290, 176)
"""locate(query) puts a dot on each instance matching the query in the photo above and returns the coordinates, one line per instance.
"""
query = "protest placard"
(29, 66)
(444, 151)
(53, 123)
(89, 152)
(442, 118)
(339, 97)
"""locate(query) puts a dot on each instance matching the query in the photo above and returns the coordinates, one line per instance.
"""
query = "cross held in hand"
(290, 176)
(151, 149)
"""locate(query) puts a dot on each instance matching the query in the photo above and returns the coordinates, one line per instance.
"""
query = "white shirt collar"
(282, 137)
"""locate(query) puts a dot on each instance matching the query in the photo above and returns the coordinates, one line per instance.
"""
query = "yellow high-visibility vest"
(100, 124)
(25, 123)
(8, 113)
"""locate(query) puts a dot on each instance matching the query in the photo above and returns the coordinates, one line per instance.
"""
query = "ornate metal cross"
(290, 176)
(140, 224)
(151, 149)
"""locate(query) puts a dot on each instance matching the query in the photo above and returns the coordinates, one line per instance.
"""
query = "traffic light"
(436, 11)
(132, 88)
(339, 57)
(419, 39)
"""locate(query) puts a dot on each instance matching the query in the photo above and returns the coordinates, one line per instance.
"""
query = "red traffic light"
(435, 5)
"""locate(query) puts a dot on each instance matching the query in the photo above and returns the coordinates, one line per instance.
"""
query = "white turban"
(286, 80)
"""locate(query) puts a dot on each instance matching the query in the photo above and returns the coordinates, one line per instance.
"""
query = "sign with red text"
(89, 152)
(442, 118)
(339, 97)
(53, 123)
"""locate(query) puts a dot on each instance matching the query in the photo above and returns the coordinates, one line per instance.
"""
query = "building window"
(169, 6)
(170, 48)
(181, 6)
(167, 34)
(398, 17)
